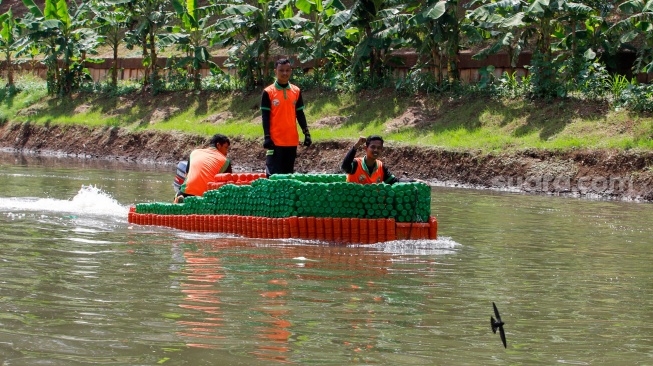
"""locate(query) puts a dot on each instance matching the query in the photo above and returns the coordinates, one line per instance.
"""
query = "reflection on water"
(79, 285)
(201, 274)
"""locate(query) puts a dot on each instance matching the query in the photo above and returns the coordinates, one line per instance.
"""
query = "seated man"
(203, 165)
(369, 169)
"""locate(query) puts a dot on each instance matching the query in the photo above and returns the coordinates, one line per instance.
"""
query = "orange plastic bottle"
(293, 224)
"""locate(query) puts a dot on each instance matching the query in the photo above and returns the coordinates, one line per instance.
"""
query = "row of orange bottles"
(345, 230)
(238, 177)
(418, 230)
(331, 229)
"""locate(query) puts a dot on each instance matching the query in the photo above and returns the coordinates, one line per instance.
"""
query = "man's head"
(373, 146)
(282, 70)
(371, 138)
(220, 142)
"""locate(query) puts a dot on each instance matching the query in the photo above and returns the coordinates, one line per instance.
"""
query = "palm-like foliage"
(63, 35)
(148, 18)
(192, 35)
(10, 42)
(567, 37)
(503, 22)
(314, 45)
(368, 31)
(112, 21)
(637, 25)
(251, 32)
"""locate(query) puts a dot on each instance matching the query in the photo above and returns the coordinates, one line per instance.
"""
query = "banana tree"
(563, 46)
(251, 31)
(573, 36)
(10, 43)
(315, 40)
(638, 25)
(427, 34)
(437, 31)
(502, 21)
(112, 21)
(373, 28)
(63, 36)
(192, 37)
(148, 18)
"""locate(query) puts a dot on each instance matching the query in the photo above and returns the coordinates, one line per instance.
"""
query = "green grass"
(468, 122)
(29, 91)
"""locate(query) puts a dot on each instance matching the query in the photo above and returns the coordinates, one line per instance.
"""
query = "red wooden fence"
(402, 62)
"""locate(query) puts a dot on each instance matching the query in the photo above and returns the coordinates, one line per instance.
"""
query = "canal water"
(572, 279)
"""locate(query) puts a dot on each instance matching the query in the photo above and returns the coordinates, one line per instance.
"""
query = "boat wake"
(443, 245)
(89, 200)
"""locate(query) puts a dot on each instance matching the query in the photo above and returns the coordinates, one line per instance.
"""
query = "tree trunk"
(453, 44)
(146, 69)
(266, 67)
(153, 74)
(436, 57)
(10, 71)
(452, 61)
(114, 67)
(368, 34)
(511, 51)
(197, 79)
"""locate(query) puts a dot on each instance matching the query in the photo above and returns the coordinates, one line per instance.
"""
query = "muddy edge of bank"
(592, 173)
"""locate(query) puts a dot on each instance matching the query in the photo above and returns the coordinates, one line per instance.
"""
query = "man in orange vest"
(282, 108)
(203, 165)
(370, 169)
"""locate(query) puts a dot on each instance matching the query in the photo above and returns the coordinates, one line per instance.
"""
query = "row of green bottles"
(286, 196)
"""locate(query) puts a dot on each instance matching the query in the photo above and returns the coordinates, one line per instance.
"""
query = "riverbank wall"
(608, 174)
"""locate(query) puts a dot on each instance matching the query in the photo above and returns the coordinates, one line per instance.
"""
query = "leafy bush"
(592, 81)
(636, 97)
(124, 87)
(221, 83)
(545, 81)
(420, 81)
(511, 86)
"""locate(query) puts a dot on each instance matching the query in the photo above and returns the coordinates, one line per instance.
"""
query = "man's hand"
(307, 139)
(268, 143)
(361, 141)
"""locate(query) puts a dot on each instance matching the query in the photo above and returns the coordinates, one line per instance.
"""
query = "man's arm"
(391, 179)
(348, 165)
(265, 116)
(388, 178)
(348, 162)
(227, 167)
(301, 119)
(299, 110)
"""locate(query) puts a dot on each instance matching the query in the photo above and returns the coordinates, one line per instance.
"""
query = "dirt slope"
(604, 173)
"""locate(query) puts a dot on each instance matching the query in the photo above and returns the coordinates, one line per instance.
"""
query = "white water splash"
(442, 246)
(89, 200)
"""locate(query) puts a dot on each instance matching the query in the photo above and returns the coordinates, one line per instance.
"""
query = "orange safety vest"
(204, 165)
(283, 115)
(363, 177)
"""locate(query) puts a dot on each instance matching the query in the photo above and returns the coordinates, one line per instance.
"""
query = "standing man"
(203, 165)
(282, 108)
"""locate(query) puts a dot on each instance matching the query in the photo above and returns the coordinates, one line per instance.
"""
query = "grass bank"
(451, 121)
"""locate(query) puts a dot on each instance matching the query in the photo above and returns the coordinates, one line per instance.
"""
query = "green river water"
(572, 278)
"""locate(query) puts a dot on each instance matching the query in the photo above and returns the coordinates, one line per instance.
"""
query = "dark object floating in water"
(498, 324)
